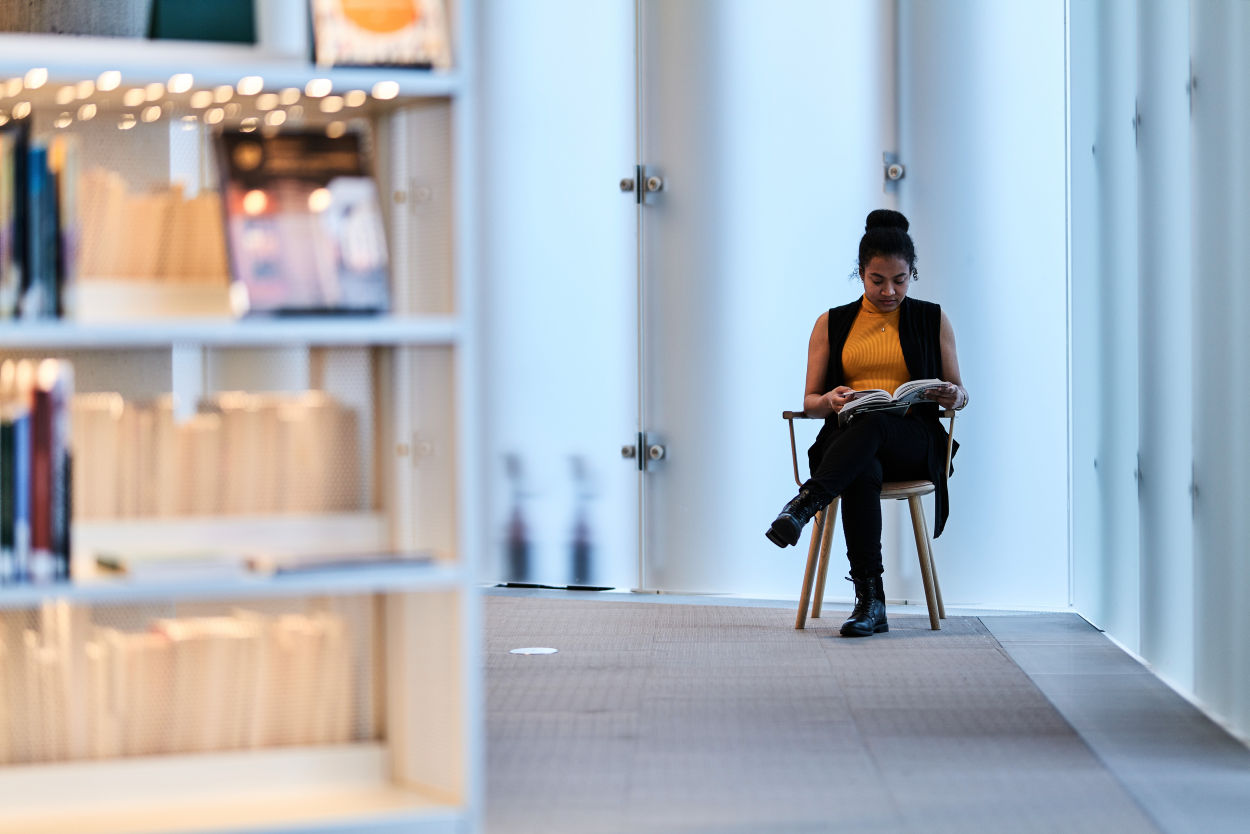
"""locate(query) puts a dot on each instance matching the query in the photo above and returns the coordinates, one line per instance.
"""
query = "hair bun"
(885, 219)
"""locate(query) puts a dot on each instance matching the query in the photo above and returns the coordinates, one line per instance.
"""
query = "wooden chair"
(822, 533)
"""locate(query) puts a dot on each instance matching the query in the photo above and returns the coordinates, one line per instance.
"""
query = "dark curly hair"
(885, 233)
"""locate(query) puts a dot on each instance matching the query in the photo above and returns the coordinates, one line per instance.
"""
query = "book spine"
(41, 474)
(60, 385)
(39, 297)
(19, 130)
(9, 268)
(8, 471)
(21, 497)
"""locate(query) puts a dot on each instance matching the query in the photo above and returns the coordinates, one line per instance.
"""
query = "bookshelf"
(405, 753)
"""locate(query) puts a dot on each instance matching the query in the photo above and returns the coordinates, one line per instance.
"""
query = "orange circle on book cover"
(381, 15)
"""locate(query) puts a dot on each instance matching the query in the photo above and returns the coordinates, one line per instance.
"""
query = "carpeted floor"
(703, 718)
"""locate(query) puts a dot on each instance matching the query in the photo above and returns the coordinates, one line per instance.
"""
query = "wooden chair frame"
(822, 533)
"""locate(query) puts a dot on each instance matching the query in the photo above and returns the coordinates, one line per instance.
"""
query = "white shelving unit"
(416, 766)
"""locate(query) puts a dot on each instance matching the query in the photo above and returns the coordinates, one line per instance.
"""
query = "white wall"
(796, 113)
(769, 129)
(1220, 29)
(1161, 220)
(983, 138)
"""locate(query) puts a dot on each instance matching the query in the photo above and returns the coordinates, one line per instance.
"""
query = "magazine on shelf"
(878, 399)
(393, 33)
(304, 225)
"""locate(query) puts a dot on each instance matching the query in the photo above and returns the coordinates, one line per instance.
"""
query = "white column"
(1085, 314)
(1116, 278)
(1165, 377)
(1221, 304)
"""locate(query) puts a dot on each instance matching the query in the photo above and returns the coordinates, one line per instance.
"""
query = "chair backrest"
(791, 416)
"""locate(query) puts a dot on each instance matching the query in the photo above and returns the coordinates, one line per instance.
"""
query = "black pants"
(873, 448)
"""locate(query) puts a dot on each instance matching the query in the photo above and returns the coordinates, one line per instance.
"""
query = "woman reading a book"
(880, 341)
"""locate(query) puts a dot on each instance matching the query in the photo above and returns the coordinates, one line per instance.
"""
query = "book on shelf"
(35, 470)
(39, 223)
(14, 215)
(172, 566)
(141, 565)
(391, 33)
(14, 472)
(295, 563)
(897, 401)
(304, 226)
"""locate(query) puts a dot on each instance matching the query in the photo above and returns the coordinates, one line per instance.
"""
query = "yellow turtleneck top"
(872, 356)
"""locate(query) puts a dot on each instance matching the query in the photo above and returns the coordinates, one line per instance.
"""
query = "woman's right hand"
(839, 397)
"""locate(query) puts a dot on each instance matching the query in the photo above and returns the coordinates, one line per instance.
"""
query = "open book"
(878, 399)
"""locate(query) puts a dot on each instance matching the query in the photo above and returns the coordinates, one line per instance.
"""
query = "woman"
(878, 341)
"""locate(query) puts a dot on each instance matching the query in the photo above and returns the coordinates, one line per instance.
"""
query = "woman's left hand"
(948, 396)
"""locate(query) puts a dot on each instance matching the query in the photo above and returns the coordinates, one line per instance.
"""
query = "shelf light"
(21, 110)
(108, 81)
(4, 119)
(86, 112)
(36, 78)
(290, 95)
(151, 113)
(385, 90)
(65, 95)
(180, 82)
(254, 202)
(355, 98)
(331, 104)
(223, 93)
(249, 124)
(214, 116)
(13, 87)
(319, 200)
(266, 101)
(133, 97)
(250, 85)
(201, 99)
(233, 109)
(127, 121)
(319, 87)
(275, 118)
(63, 121)
(189, 121)
(154, 91)
(84, 89)
(336, 129)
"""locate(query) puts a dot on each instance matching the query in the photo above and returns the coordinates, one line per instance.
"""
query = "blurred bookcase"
(344, 698)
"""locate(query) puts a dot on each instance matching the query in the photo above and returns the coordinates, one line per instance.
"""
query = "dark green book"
(230, 21)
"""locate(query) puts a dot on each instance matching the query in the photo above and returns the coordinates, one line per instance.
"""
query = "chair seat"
(906, 489)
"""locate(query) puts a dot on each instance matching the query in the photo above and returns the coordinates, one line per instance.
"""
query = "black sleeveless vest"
(919, 335)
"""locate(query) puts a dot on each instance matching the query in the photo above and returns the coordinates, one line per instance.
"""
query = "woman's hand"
(839, 397)
(948, 396)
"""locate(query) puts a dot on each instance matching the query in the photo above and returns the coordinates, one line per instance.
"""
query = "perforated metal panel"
(144, 679)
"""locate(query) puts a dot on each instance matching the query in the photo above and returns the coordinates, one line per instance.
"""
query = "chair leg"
(921, 529)
(813, 550)
(937, 586)
(831, 515)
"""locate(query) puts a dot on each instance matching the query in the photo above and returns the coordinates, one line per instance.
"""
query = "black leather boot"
(868, 618)
(794, 516)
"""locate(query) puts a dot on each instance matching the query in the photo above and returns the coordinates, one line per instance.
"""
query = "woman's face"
(885, 281)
